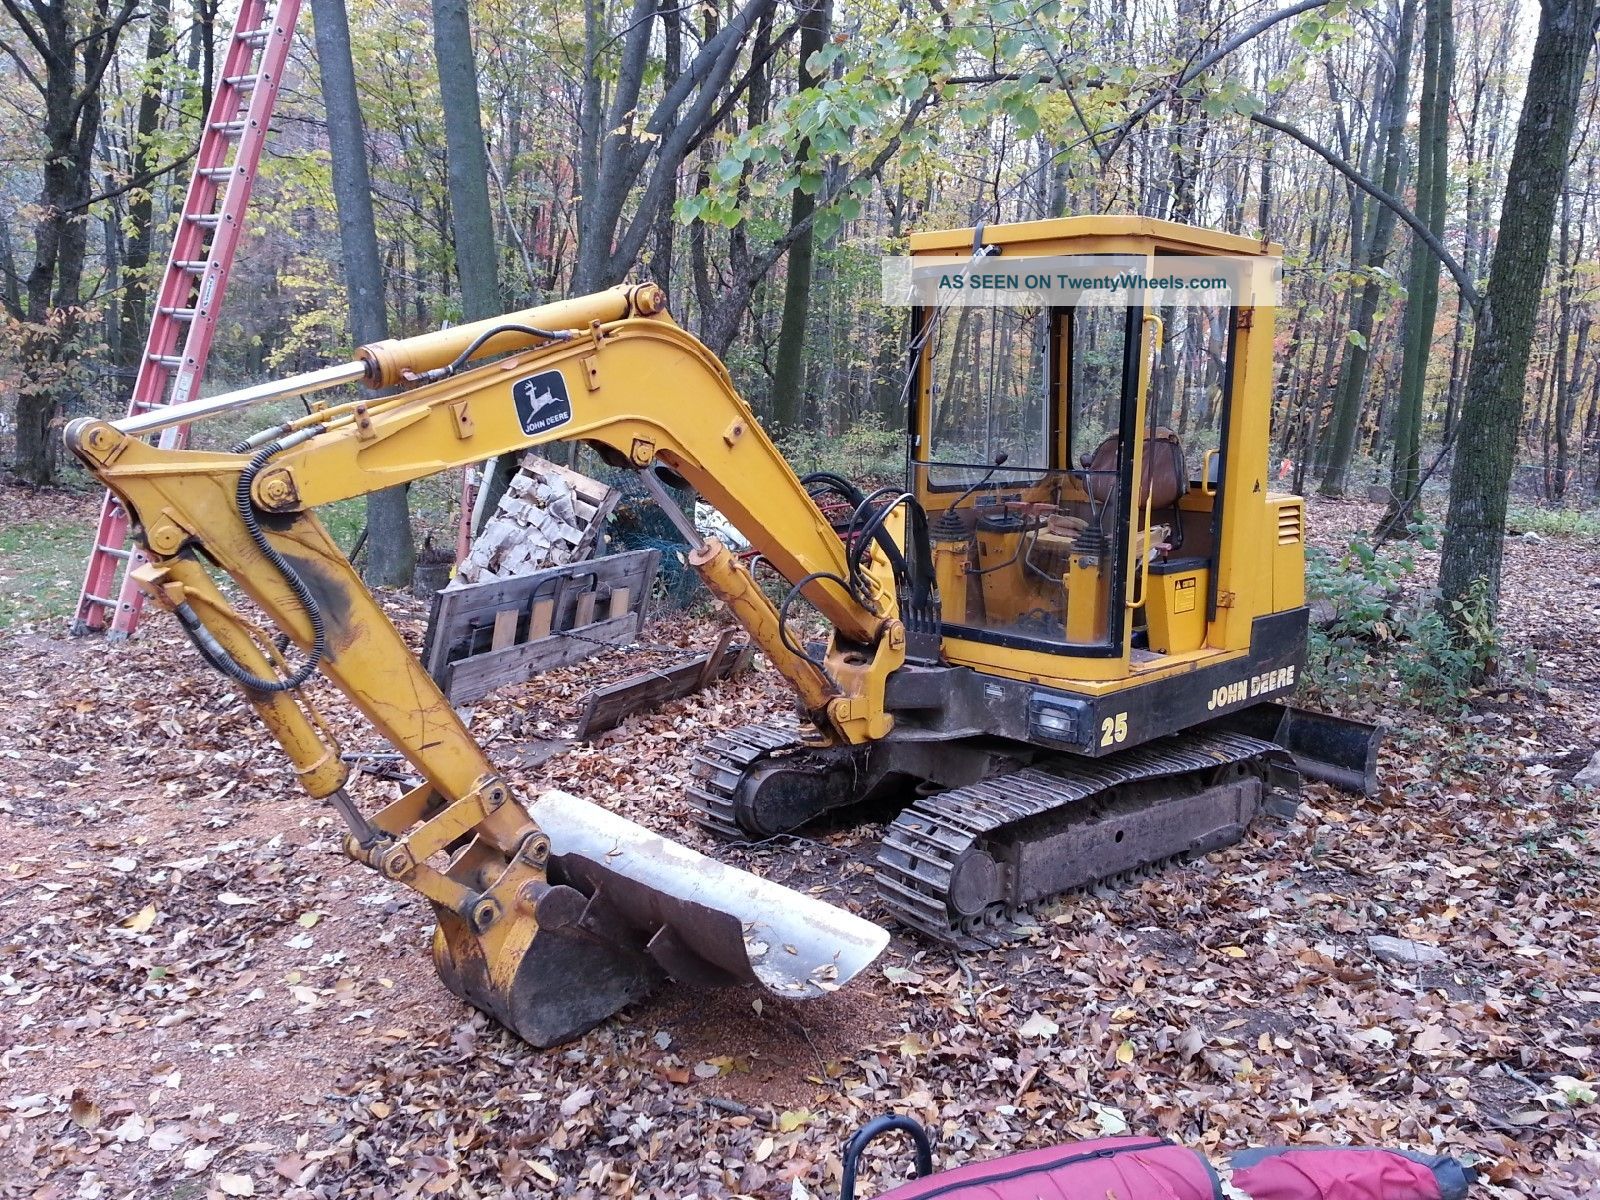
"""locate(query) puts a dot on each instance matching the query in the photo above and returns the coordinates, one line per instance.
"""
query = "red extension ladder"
(184, 316)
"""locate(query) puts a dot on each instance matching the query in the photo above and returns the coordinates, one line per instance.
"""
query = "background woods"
(756, 158)
(202, 995)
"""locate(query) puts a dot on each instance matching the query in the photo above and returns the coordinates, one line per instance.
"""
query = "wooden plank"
(583, 608)
(456, 610)
(617, 602)
(597, 523)
(544, 612)
(434, 645)
(713, 662)
(473, 678)
(505, 628)
(609, 706)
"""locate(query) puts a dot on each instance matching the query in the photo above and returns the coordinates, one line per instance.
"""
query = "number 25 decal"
(1114, 730)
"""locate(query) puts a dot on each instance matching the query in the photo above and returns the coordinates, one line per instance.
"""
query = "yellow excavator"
(1062, 653)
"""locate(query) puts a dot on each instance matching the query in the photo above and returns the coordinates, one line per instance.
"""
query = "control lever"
(999, 461)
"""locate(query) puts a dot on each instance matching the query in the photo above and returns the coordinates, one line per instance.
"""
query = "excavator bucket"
(625, 908)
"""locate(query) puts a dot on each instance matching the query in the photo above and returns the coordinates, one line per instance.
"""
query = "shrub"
(1553, 522)
(1371, 640)
(869, 453)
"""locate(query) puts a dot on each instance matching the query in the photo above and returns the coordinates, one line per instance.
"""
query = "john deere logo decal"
(542, 402)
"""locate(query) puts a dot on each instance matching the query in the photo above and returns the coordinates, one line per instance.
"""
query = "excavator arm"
(551, 916)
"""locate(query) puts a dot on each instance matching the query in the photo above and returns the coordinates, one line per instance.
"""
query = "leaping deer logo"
(542, 402)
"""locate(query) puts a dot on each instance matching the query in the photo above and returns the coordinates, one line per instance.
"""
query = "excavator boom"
(550, 916)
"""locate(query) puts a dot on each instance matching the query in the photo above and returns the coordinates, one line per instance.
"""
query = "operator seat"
(1164, 472)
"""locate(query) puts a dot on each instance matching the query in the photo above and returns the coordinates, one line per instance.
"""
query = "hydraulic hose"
(213, 651)
(476, 344)
(319, 633)
(783, 613)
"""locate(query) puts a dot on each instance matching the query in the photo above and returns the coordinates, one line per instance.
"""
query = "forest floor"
(200, 996)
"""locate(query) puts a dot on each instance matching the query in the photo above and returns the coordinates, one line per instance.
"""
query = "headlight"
(1059, 719)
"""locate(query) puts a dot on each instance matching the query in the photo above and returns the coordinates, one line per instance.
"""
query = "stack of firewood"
(550, 515)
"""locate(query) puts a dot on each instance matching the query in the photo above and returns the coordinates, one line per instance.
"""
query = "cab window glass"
(1189, 377)
(1097, 354)
(988, 390)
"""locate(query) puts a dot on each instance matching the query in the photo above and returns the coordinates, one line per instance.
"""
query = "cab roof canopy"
(1092, 235)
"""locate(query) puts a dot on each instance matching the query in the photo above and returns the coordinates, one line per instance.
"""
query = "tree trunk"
(74, 58)
(203, 50)
(1491, 409)
(391, 555)
(789, 375)
(631, 153)
(671, 69)
(723, 311)
(1563, 383)
(135, 316)
(471, 217)
(1422, 285)
(1353, 367)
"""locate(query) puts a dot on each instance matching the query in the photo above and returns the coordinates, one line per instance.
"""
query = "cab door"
(1189, 403)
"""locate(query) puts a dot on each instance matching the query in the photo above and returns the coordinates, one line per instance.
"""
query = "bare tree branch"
(1463, 280)
(757, 64)
(29, 29)
(144, 179)
(94, 70)
(22, 66)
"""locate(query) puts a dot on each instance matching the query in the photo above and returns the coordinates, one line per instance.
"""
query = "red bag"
(1347, 1173)
(1146, 1168)
(1130, 1168)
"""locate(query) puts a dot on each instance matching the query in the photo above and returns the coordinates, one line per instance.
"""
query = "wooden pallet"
(609, 706)
(482, 636)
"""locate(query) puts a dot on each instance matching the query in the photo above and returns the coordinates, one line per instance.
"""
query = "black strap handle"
(874, 1129)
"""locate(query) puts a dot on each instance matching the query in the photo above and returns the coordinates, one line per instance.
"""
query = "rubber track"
(722, 764)
(928, 838)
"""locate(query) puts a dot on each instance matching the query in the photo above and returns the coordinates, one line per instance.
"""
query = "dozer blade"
(1337, 750)
(624, 908)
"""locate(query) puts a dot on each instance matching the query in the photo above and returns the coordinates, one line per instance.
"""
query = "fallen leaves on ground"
(203, 997)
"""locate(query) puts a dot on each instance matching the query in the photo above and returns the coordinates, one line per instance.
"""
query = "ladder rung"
(145, 405)
(170, 361)
(242, 81)
(215, 172)
(257, 36)
(229, 127)
(178, 314)
(195, 266)
(104, 601)
(115, 552)
(208, 220)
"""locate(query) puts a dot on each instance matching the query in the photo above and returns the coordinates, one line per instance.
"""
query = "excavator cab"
(1075, 465)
